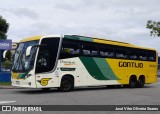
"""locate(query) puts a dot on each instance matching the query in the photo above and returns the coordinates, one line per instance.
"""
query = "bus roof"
(38, 37)
(104, 41)
(90, 39)
(31, 38)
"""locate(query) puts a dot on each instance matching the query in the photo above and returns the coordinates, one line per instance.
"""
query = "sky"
(120, 20)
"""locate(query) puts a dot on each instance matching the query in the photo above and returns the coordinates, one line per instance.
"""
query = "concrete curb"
(9, 87)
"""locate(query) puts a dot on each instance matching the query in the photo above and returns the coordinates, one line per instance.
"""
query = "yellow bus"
(68, 61)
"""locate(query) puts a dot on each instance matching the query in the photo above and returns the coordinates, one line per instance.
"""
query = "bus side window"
(106, 51)
(102, 53)
(89, 49)
(69, 49)
(75, 51)
(142, 55)
(152, 56)
(121, 53)
(86, 52)
(133, 55)
(94, 53)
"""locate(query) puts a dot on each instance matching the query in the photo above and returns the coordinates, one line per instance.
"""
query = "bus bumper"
(23, 83)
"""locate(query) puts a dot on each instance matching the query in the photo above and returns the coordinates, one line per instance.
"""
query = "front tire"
(67, 84)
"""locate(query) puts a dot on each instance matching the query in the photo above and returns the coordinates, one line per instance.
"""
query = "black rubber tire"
(141, 82)
(132, 83)
(67, 84)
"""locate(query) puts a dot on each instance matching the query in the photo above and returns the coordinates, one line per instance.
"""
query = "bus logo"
(44, 81)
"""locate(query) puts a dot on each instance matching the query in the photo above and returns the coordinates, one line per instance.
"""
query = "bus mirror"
(4, 53)
(28, 51)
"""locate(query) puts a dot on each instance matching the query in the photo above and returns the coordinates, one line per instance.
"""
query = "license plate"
(17, 82)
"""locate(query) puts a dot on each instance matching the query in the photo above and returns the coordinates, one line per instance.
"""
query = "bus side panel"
(91, 71)
(88, 71)
(125, 68)
(70, 67)
(97, 72)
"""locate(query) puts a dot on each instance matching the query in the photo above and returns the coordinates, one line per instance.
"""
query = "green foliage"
(155, 28)
(3, 25)
(7, 64)
(3, 28)
(8, 55)
(2, 35)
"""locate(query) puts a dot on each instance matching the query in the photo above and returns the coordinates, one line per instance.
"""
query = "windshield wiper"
(32, 59)
(18, 61)
(22, 62)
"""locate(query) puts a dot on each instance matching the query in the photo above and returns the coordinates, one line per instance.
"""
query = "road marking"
(3, 102)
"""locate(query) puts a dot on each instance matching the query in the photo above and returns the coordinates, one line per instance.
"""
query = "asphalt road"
(149, 95)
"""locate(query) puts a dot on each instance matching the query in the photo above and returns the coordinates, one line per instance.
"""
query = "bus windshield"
(22, 63)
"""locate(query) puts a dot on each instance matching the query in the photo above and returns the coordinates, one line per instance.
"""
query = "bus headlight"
(28, 75)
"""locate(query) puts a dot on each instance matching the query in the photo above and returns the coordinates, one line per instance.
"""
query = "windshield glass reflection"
(21, 62)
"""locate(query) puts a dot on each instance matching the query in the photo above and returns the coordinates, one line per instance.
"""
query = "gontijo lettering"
(130, 64)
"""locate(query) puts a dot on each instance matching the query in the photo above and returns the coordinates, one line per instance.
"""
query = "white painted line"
(3, 102)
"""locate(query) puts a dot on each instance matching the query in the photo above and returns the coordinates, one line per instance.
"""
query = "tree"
(155, 28)
(2, 35)
(3, 28)
(7, 64)
(8, 55)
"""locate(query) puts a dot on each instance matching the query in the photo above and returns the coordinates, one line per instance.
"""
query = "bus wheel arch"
(67, 83)
(141, 81)
(133, 81)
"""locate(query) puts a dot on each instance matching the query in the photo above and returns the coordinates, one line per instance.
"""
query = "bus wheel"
(67, 84)
(141, 82)
(133, 82)
(46, 89)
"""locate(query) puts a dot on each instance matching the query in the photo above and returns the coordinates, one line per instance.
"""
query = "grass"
(5, 83)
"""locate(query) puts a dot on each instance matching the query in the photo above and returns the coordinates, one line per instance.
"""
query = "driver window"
(43, 59)
(47, 55)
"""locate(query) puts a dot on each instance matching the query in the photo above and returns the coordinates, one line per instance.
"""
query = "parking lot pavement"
(149, 95)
